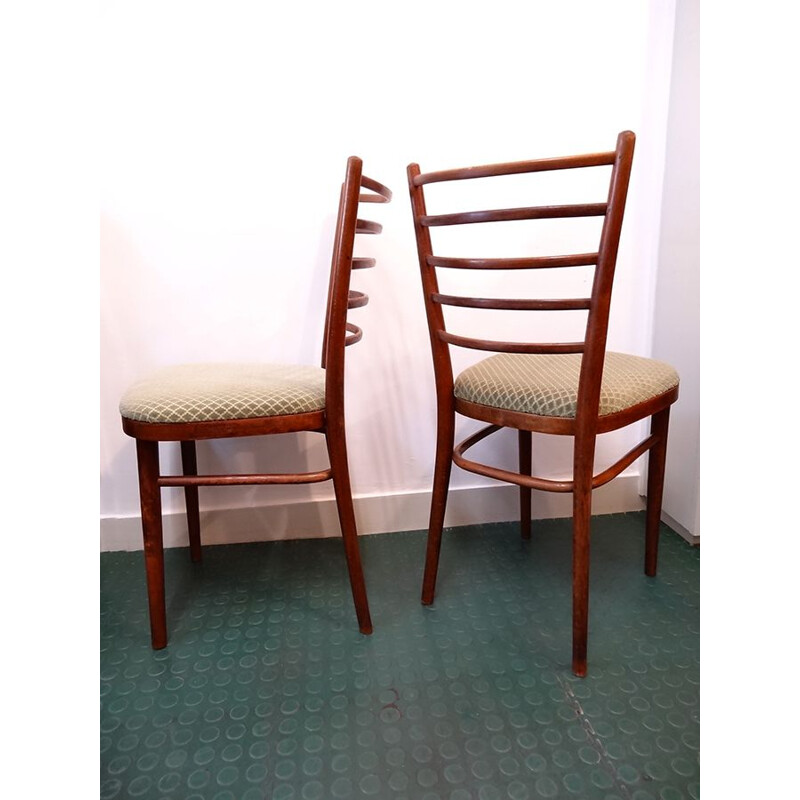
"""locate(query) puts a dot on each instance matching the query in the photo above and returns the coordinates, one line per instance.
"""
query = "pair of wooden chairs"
(572, 388)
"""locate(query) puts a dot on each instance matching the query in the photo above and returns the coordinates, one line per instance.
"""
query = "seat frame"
(587, 424)
(338, 334)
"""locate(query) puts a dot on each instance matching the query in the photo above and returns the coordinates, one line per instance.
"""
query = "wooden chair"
(211, 401)
(575, 388)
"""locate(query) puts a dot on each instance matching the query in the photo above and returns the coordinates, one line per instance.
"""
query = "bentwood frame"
(329, 421)
(586, 423)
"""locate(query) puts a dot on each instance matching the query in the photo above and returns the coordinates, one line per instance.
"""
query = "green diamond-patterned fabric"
(208, 392)
(547, 385)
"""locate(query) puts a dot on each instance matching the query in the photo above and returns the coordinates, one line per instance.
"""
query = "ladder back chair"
(191, 402)
(565, 388)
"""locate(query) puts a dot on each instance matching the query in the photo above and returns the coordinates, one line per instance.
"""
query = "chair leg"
(189, 462)
(659, 426)
(581, 522)
(445, 436)
(150, 499)
(337, 453)
(525, 491)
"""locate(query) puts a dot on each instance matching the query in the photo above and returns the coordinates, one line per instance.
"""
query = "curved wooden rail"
(511, 347)
(624, 462)
(368, 226)
(572, 304)
(515, 214)
(363, 263)
(535, 262)
(357, 299)
(244, 480)
(355, 334)
(517, 168)
(383, 194)
(533, 482)
(502, 474)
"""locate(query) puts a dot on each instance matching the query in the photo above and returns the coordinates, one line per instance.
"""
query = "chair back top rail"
(382, 194)
(517, 168)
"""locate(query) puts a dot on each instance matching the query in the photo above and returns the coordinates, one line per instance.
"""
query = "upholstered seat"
(207, 392)
(547, 385)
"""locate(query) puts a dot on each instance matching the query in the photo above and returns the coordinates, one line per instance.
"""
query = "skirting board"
(692, 538)
(374, 514)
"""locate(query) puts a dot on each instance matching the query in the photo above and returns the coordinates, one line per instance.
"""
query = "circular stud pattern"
(267, 690)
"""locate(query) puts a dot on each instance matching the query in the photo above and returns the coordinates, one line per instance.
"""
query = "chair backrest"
(338, 332)
(593, 343)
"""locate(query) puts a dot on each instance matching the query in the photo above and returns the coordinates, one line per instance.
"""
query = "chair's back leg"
(659, 425)
(445, 439)
(337, 453)
(150, 499)
(189, 463)
(525, 491)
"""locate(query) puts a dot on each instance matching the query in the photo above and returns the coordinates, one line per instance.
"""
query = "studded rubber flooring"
(267, 691)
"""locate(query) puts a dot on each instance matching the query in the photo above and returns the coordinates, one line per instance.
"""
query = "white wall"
(225, 132)
(676, 320)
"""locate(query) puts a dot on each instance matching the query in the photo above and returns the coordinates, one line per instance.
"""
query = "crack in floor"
(594, 739)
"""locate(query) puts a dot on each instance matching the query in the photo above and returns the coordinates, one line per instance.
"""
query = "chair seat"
(547, 385)
(214, 392)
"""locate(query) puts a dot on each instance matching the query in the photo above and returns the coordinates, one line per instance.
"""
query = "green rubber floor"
(268, 691)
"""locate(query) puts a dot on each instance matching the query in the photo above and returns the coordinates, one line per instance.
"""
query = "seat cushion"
(213, 392)
(547, 385)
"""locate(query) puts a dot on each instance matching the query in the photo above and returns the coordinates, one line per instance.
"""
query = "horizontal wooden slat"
(355, 334)
(513, 214)
(368, 226)
(530, 481)
(533, 262)
(623, 463)
(244, 480)
(516, 168)
(511, 347)
(363, 263)
(383, 193)
(542, 484)
(357, 299)
(570, 304)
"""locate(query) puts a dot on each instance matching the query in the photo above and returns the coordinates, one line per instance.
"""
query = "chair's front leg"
(150, 499)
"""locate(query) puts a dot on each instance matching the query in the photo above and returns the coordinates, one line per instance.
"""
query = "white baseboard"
(683, 532)
(374, 514)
